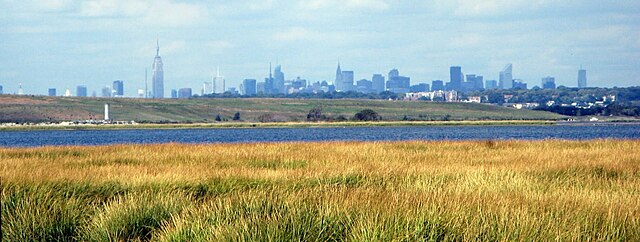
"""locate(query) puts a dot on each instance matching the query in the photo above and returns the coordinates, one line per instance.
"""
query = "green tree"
(315, 114)
(367, 115)
(236, 116)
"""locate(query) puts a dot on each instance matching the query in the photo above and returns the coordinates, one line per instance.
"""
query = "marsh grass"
(329, 191)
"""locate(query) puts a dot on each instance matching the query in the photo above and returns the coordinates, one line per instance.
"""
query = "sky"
(65, 43)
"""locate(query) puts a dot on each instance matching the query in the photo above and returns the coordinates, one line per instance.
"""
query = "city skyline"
(93, 43)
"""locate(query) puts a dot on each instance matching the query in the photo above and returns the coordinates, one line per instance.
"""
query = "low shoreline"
(231, 125)
(29, 127)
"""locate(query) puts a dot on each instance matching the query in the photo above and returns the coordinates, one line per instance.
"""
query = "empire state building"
(158, 76)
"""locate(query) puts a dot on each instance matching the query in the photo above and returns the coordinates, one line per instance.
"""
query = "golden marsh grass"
(341, 191)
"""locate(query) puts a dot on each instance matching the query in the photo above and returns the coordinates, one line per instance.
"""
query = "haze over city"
(63, 44)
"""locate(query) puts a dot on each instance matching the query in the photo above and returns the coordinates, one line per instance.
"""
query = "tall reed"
(324, 191)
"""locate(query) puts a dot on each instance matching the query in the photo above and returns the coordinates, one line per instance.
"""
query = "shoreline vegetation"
(231, 125)
(222, 125)
(324, 191)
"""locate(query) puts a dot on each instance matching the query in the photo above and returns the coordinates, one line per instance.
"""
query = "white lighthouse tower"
(106, 112)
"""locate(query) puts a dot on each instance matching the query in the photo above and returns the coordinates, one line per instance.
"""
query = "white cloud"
(470, 40)
(220, 44)
(602, 34)
(296, 33)
(173, 46)
(113, 8)
(490, 8)
(37, 5)
(161, 12)
(260, 5)
(367, 4)
(54, 5)
(316, 4)
(166, 13)
(345, 4)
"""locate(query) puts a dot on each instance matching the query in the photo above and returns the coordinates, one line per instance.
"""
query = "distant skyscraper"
(157, 79)
(338, 82)
(232, 90)
(174, 93)
(298, 84)
(393, 73)
(377, 83)
(549, 82)
(268, 87)
(67, 93)
(118, 88)
(207, 87)
(249, 86)
(519, 84)
(1, 90)
(364, 86)
(422, 87)
(52, 92)
(184, 93)
(506, 77)
(278, 80)
(81, 91)
(106, 91)
(219, 83)
(398, 83)
(582, 78)
(455, 75)
(491, 84)
(260, 88)
(437, 85)
(347, 81)
(473, 83)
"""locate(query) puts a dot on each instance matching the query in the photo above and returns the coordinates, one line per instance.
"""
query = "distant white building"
(474, 99)
(445, 96)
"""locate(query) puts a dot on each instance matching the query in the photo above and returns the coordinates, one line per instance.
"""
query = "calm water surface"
(101, 137)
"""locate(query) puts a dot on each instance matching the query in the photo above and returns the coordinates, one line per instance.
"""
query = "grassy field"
(329, 191)
(42, 108)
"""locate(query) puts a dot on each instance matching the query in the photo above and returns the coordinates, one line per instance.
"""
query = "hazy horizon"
(65, 43)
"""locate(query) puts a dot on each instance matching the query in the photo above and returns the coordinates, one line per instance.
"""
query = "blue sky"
(65, 43)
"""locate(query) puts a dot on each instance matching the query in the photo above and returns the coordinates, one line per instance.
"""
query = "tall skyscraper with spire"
(338, 83)
(157, 80)
(269, 82)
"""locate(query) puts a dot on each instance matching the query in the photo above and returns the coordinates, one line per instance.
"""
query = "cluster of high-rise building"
(394, 82)
(116, 90)
(276, 83)
(473, 82)
(344, 81)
